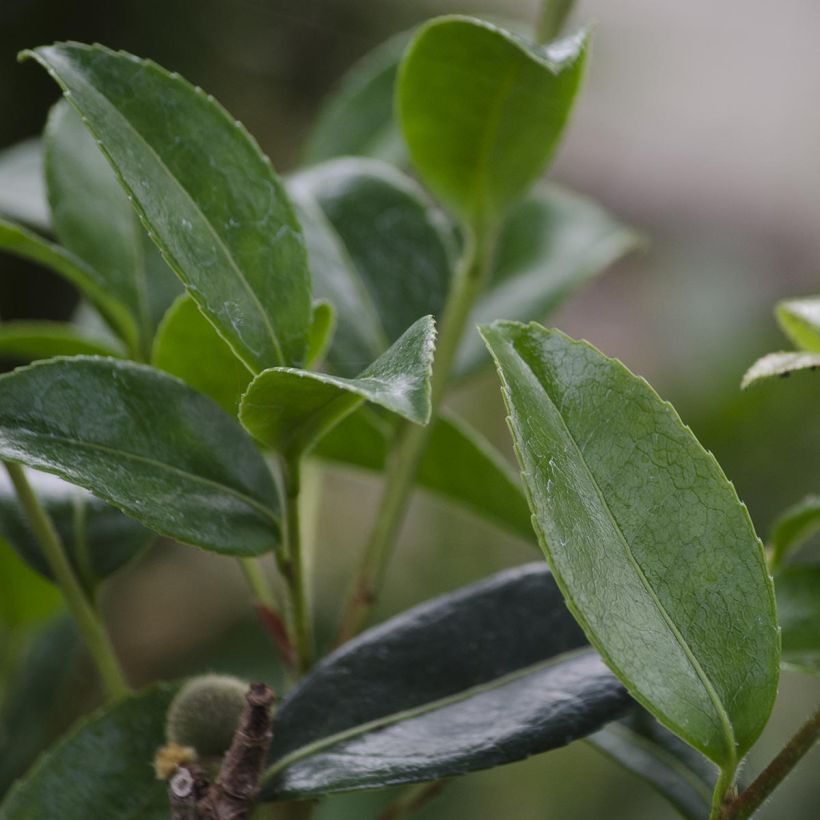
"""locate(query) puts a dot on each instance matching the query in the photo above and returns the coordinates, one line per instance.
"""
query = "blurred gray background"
(698, 125)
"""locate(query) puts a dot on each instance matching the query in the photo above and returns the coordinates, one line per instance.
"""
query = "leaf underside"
(779, 365)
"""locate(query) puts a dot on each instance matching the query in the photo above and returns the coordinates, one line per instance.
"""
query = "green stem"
(87, 619)
(725, 783)
(258, 582)
(293, 566)
(774, 774)
(411, 439)
(552, 18)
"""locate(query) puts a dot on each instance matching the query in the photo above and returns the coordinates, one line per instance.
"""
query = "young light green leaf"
(551, 244)
(482, 111)
(22, 192)
(228, 231)
(458, 464)
(676, 771)
(146, 443)
(780, 365)
(320, 335)
(188, 347)
(27, 340)
(289, 410)
(379, 252)
(93, 219)
(357, 120)
(30, 246)
(798, 607)
(653, 550)
(98, 538)
(489, 674)
(795, 526)
(102, 768)
(800, 320)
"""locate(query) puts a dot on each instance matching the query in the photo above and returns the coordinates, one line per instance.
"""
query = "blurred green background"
(695, 126)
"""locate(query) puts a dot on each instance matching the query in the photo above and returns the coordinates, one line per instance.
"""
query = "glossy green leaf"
(102, 768)
(22, 191)
(482, 110)
(458, 465)
(798, 607)
(93, 218)
(290, 410)
(551, 244)
(492, 673)
(676, 771)
(98, 538)
(800, 320)
(26, 340)
(379, 252)
(320, 335)
(794, 527)
(653, 550)
(228, 231)
(780, 365)
(28, 245)
(146, 443)
(357, 119)
(188, 347)
(25, 598)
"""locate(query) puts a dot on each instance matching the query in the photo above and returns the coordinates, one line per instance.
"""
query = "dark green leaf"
(379, 252)
(321, 331)
(146, 443)
(551, 244)
(779, 364)
(229, 232)
(22, 192)
(290, 410)
(492, 673)
(800, 320)
(675, 770)
(357, 120)
(798, 606)
(482, 110)
(42, 340)
(187, 346)
(101, 769)
(653, 550)
(93, 219)
(98, 538)
(28, 245)
(459, 464)
(795, 526)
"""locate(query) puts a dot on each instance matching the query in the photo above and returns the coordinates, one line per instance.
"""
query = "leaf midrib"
(709, 688)
(317, 746)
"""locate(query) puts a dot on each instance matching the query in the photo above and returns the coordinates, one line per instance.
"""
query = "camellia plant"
(234, 323)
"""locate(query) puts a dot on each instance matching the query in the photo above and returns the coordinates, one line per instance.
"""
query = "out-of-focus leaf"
(779, 364)
(98, 538)
(482, 110)
(551, 244)
(187, 346)
(489, 674)
(289, 410)
(674, 769)
(228, 230)
(379, 252)
(458, 464)
(25, 598)
(794, 526)
(93, 219)
(798, 607)
(25, 340)
(654, 552)
(22, 191)
(28, 245)
(357, 119)
(800, 320)
(146, 443)
(102, 768)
